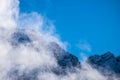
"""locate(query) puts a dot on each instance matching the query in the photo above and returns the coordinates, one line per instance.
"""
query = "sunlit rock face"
(107, 63)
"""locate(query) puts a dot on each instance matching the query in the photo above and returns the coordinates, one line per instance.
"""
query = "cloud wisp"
(18, 59)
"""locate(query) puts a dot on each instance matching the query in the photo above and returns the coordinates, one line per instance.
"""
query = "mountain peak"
(106, 63)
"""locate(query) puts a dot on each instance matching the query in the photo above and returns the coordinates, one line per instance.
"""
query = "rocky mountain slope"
(66, 61)
(107, 63)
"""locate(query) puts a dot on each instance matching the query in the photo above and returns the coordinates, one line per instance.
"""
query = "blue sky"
(94, 24)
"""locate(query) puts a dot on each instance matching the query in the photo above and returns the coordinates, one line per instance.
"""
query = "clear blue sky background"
(96, 22)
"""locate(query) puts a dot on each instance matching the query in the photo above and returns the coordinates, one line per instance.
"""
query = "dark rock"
(66, 61)
(107, 63)
(20, 38)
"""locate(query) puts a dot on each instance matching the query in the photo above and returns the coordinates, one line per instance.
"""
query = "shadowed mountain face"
(64, 58)
(107, 63)
(20, 38)
(66, 61)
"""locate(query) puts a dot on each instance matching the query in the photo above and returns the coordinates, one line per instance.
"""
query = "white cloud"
(36, 54)
(8, 13)
(84, 46)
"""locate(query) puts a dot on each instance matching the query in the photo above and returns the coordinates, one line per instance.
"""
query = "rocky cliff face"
(107, 63)
(66, 61)
(64, 58)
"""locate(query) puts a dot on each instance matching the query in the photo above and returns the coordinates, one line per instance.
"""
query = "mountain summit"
(107, 64)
